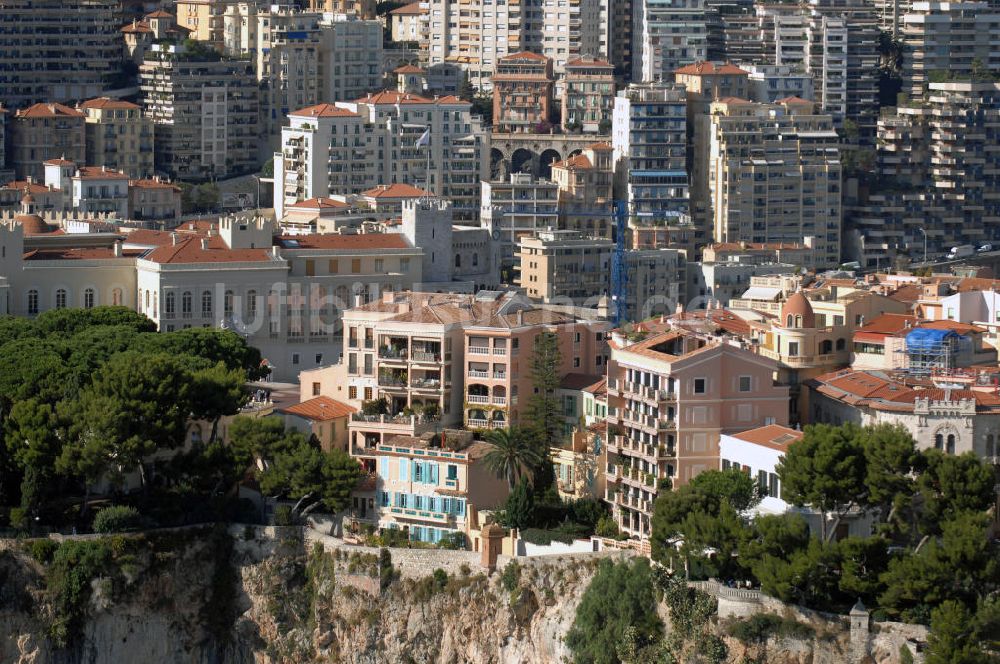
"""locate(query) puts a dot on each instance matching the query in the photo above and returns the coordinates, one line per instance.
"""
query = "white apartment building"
(383, 138)
(477, 34)
(667, 34)
(205, 112)
(516, 209)
(769, 83)
(948, 38)
(774, 176)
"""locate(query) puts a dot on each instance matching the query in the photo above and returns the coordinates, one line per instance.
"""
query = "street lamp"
(924, 233)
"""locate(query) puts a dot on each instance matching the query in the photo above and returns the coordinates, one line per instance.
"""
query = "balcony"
(485, 424)
(397, 380)
(477, 398)
(426, 383)
(390, 353)
(425, 357)
(422, 515)
(476, 373)
(479, 350)
(499, 401)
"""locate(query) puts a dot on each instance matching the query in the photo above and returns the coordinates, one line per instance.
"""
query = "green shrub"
(542, 537)
(43, 550)
(761, 626)
(440, 578)
(905, 656)
(116, 518)
(283, 516)
(19, 518)
(455, 541)
(510, 576)
(68, 583)
(607, 527)
(386, 573)
(465, 570)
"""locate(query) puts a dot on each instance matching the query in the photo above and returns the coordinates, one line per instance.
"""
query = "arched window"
(206, 304)
(32, 302)
(186, 304)
(116, 297)
(938, 442)
(990, 445)
(88, 298)
(458, 260)
(951, 444)
(147, 301)
(61, 298)
(475, 259)
(825, 347)
(169, 305)
(789, 320)
(251, 303)
(798, 321)
(227, 303)
(841, 344)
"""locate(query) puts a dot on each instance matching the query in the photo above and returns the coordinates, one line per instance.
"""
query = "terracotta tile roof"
(755, 246)
(148, 237)
(598, 389)
(907, 293)
(885, 325)
(80, 253)
(412, 9)
(590, 62)
(159, 13)
(794, 100)
(153, 184)
(408, 69)
(392, 97)
(109, 103)
(723, 318)
(577, 162)
(320, 409)
(528, 318)
(858, 383)
(189, 250)
(319, 203)
(578, 381)
(977, 284)
(524, 55)
(397, 190)
(951, 325)
(49, 111)
(32, 187)
(865, 389)
(324, 111)
(345, 242)
(137, 26)
(59, 162)
(705, 68)
(734, 100)
(773, 436)
(99, 173)
(600, 147)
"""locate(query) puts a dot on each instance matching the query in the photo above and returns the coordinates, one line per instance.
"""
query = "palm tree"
(513, 453)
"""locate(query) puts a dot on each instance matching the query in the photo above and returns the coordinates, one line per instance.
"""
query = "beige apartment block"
(522, 92)
(774, 176)
(118, 136)
(586, 184)
(588, 98)
(46, 131)
(670, 398)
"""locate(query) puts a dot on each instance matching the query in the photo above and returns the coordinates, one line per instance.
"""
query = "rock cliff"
(221, 597)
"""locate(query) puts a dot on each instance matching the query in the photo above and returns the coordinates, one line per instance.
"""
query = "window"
(310, 268)
(251, 304)
(186, 304)
(88, 298)
(295, 358)
(368, 394)
(352, 392)
(576, 362)
(793, 348)
(61, 298)
(355, 265)
(950, 449)
(699, 385)
(458, 260)
(316, 389)
(169, 305)
(227, 303)
(333, 267)
(116, 297)
(762, 484)
(379, 265)
(452, 471)
(206, 304)
(32, 302)
(745, 384)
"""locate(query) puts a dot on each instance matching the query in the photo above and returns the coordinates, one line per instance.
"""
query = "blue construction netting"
(925, 340)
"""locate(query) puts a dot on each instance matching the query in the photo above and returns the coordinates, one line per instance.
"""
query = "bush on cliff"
(115, 519)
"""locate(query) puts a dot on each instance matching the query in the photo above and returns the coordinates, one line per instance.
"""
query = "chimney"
(520, 316)
(116, 249)
(175, 239)
(204, 243)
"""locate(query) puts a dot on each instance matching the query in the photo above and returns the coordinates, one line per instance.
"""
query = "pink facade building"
(670, 398)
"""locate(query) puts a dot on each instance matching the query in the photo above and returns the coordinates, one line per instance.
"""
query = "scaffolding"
(932, 351)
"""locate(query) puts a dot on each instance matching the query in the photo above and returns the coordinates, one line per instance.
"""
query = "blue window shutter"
(383, 467)
(404, 467)
(461, 508)
(446, 505)
(434, 473)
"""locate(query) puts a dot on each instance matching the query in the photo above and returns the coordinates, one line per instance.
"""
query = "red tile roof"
(59, 162)
(885, 325)
(319, 203)
(189, 250)
(951, 325)
(80, 253)
(99, 173)
(793, 100)
(393, 97)
(575, 162)
(412, 9)
(524, 55)
(578, 381)
(734, 100)
(398, 190)
(590, 62)
(49, 111)
(320, 409)
(324, 111)
(159, 13)
(153, 184)
(32, 187)
(408, 69)
(773, 436)
(706, 68)
(600, 147)
(346, 242)
(109, 103)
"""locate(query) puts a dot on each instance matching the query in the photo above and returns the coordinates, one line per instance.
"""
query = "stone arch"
(545, 161)
(523, 161)
(499, 165)
(573, 153)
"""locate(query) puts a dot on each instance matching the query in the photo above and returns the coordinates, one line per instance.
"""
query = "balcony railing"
(424, 356)
(475, 373)
(387, 353)
(479, 350)
(426, 383)
(485, 424)
(477, 398)
(500, 401)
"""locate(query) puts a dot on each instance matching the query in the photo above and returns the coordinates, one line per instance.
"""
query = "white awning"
(761, 293)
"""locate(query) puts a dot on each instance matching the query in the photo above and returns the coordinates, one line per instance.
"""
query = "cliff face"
(270, 601)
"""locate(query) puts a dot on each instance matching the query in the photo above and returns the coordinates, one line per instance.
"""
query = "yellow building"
(118, 136)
